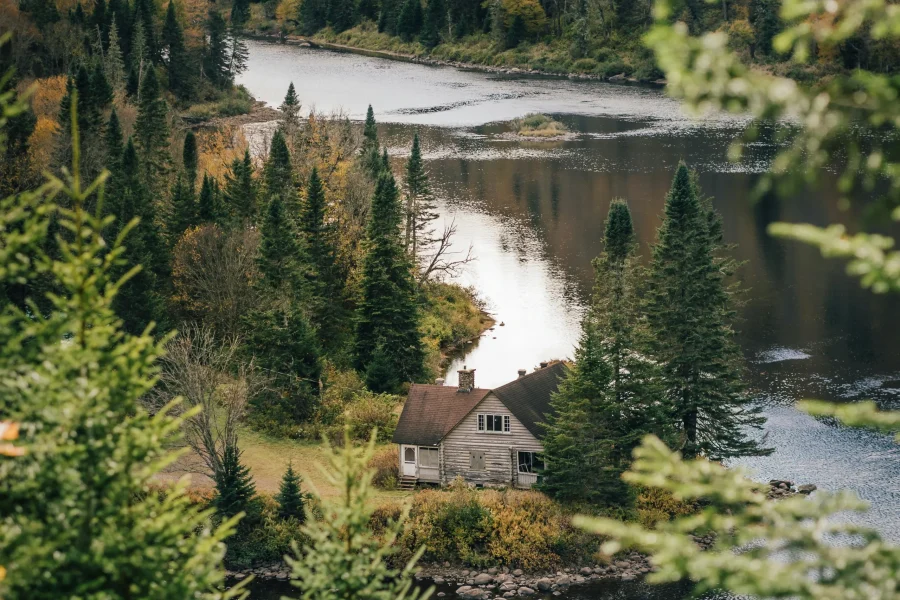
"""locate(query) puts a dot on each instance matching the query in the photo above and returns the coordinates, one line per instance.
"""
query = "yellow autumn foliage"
(218, 149)
(531, 11)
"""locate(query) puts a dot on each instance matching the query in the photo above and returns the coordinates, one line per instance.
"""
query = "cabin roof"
(431, 411)
(528, 397)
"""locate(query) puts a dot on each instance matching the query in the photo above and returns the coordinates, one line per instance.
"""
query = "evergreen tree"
(184, 213)
(100, 22)
(278, 174)
(145, 15)
(766, 24)
(612, 396)
(177, 61)
(235, 490)
(313, 16)
(341, 14)
(279, 249)
(516, 33)
(435, 20)
(216, 60)
(79, 496)
(691, 317)
(240, 13)
(283, 344)
(420, 207)
(114, 62)
(190, 159)
(101, 92)
(140, 58)
(290, 109)
(132, 85)
(321, 249)
(113, 139)
(368, 9)
(409, 21)
(388, 312)
(208, 209)
(371, 153)
(291, 504)
(240, 190)
(151, 132)
(387, 17)
(238, 54)
(120, 16)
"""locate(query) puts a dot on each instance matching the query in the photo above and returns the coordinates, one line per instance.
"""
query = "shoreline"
(318, 43)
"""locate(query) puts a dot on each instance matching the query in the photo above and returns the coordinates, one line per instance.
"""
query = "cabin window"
(428, 458)
(409, 455)
(493, 423)
(476, 460)
(530, 462)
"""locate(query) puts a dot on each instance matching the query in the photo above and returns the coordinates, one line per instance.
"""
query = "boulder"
(623, 564)
(628, 577)
(564, 580)
(526, 591)
(441, 594)
(806, 489)
(509, 594)
(619, 77)
(439, 580)
(483, 578)
(517, 572)
(586, 570)
(544, 584)
(492, 570)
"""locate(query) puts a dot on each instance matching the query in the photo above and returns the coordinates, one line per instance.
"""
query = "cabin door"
(408, 461)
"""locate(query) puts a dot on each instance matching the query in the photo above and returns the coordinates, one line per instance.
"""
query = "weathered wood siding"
(500, 463)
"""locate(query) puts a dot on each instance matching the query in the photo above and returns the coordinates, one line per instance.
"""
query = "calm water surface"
(534, 214)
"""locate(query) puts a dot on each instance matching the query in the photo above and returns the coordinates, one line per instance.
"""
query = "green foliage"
(77, 517)
(151, 132)
(290, 108)
(386, 468)
(290, 497)
(516, 33)
(435, 21)
(241, 191)
(761, 548)
(371, 153)
(343, 557)
(178, 62)
(184, 213)
(368, 411)
(387, 318)
(190, 158)
(409, 21)
(279, 250)
(209, 208)
(278, 176)
(235, 490)
(689, 311)
(420, 207)
(313, 16)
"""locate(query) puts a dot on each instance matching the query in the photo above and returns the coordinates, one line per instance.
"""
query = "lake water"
(534, 213)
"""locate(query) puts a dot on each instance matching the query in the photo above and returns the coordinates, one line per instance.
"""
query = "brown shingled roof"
(529, 397)
(431, 411)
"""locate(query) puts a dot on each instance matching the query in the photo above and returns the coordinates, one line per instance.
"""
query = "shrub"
(603, 55)
(584, 65)
(537, 125)
(266, 542)
(368, 410)
(613, 67)
(655, 505)
(385, 463)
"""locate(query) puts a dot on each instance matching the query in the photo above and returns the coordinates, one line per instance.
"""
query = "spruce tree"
(240, 191)
(140, 59)
(321, 250)
(409, 21)
(433, 26)
(420, 207)
(151, 131)
(516, 33)
(291, 504)
(113, 141)
(279, 249)
(387, 17)
(691, 317)
(208, 205)
(114, 62)
(371, 152)
(290, 109)
(341, 14)
(388, 313)
(184, 214)
(190, 159)
(278, 174)
(216, 65)
(144, 13)
(181, 80)
(235, 490)
(240, 13)
(313, 16)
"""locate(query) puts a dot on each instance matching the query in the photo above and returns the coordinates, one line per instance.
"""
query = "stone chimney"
(544, 364)
(522, 372)
(439, 381)
(466, 379)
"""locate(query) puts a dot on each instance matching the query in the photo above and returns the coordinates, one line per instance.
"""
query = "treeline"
(591, 36)
(657, 355)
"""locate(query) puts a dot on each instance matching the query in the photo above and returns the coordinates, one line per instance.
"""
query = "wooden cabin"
(487, 437)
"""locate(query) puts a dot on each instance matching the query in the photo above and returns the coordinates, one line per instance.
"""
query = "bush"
(613, 67)
(584, 65)
(386, 465)
(655, 505)
(537, 125)
(370, 410)
(266, 542)
(603, 55)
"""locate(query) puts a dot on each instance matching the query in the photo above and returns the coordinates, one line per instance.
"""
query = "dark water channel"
(534, 214)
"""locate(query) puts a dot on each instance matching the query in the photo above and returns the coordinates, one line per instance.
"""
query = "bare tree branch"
(445, 262)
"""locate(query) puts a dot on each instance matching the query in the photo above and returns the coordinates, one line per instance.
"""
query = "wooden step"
(407, 483)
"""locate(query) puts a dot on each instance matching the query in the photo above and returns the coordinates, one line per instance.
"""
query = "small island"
(536, 125)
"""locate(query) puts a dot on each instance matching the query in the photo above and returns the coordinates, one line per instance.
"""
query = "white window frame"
(484, 418)
(429, 450)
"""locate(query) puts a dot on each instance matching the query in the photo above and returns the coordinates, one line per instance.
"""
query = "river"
(533, 213)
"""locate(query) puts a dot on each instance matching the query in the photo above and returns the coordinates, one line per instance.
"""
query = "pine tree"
(279, 249)
(144, 14)
(184, 213)
(409, 21)
(387, 17)
(691, 317)
(75, 502)
(764, 16)
(208, 205)
(313, 16)
(101, 92)
(240, 191)
(235, 490)
(216, 60)
(435, 20)
(181, 81)
(113, 139)
(238, 54)
(291, 504)
(240, 13)
(341, 14)
(420, 207)
(140, 57)
(371, 153)
(368, 9)
(278, 174)
(290, 109)
(190, 159)
(151, 132)
(113, 61)
(321, 249)
(388, 312)
(516, 33)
